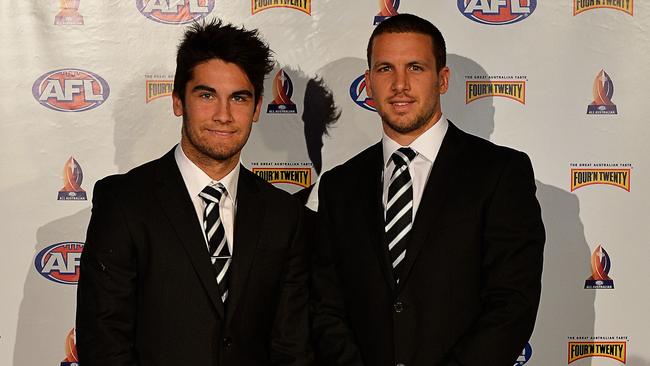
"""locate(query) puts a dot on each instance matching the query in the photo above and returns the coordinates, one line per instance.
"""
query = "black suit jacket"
(148, 295)
(470, 285)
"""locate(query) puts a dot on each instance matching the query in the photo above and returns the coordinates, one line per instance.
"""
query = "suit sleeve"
(290, 335)
(334, 341)
(106, 290)
(513, 244)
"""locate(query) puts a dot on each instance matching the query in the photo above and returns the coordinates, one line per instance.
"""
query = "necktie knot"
(213, 193)
(403, 156)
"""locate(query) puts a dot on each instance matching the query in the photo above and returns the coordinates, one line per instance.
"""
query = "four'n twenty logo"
(497, 12)
(260, 5)
(613, 350)
(359, 95)
(610, 176)
(60, 262)
(175, 11)
(70, 90)
(626, 6)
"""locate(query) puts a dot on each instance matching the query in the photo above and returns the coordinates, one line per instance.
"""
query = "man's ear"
(443, 79)
(258, 109)
(368, 87)
(177, 104)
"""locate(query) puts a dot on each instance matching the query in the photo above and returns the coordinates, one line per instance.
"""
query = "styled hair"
(409, 23)
(215, 40)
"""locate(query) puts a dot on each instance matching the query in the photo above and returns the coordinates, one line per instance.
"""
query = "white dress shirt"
(426, 146)
(196, 179)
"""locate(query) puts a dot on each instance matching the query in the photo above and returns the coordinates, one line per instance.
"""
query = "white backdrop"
(126, 49)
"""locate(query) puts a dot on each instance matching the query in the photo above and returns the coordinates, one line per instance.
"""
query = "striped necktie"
(216, 236)
(399, 208)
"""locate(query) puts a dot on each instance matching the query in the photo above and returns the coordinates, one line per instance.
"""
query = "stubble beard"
(418, 122)
(218, 153)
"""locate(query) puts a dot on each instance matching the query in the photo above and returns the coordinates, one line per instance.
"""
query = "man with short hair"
(191, 259)
(432, 239)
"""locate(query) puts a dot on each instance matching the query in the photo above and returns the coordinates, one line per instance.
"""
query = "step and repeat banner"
(86, 91)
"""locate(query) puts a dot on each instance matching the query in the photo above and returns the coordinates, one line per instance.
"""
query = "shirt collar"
(426, 145)
(196, 179)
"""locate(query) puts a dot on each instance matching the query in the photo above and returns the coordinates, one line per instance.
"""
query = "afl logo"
(175, 11)
(359, 95)
(60, 262)
(70, 90)
(497, 12)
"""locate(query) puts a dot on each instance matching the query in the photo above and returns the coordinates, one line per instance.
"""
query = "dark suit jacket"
(148, 294)
(470, 285)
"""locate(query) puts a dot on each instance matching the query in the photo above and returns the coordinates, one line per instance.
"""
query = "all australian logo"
(497, 12)
(70, 90)
(387, 9)
(360, 96)
(175, 11)
(158, 86)
(301, 5)
(297, 174)
(601, 264)
(60, 262)
(612, 174)
(603, 91)
(69, 13)
(612, 347)
(511, 87)
(626, 6)
(282, 93)
(71, 357)
(525, 355)
(72, 178)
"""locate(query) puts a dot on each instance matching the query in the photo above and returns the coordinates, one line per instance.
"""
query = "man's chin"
(222, 154)
(402, 127)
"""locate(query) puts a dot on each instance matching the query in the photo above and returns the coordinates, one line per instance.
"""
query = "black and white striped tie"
(399, 208)
(216, 235)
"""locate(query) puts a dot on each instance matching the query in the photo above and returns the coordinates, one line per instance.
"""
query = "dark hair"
(409, 23)
(203, 42)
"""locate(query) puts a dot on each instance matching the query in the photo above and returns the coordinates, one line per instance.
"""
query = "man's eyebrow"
(204, 88)
(381, 63)
(243, 92)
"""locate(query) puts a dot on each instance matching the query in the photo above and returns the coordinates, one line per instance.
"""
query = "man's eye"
(416, 68)
(384, 69)
(206, 96)
(239, 98)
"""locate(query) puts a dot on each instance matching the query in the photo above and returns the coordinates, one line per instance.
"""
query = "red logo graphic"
(72, 178)
(60, 262)
(70, 90)
(387, 9)
(71, 358)
(497, 12)
(175, 11)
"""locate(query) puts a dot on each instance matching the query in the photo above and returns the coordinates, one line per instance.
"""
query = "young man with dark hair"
(432, 239)
(191, 259)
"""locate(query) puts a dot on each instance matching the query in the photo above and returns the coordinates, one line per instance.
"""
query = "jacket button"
(227, 342)
(399, 307)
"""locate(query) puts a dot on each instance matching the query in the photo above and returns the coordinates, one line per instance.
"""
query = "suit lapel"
(248, 225)
(375, 206)
(434, 196)
(177, 206)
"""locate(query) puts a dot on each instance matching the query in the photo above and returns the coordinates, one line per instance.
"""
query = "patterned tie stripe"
(216, 236)
(399, 208)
